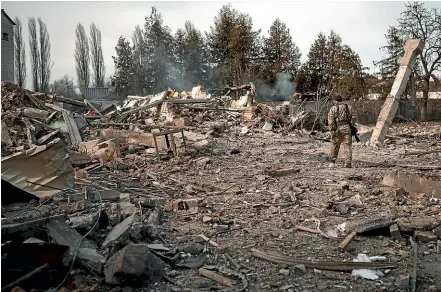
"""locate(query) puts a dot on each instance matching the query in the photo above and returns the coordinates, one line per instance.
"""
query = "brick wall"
(7, 72)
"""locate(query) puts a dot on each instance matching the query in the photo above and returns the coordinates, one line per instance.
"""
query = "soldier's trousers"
(342, 136)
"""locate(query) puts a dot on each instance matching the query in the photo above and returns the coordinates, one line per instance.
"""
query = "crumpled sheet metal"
(47, 165)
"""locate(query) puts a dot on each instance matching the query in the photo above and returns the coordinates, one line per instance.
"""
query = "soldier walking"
(340, 117)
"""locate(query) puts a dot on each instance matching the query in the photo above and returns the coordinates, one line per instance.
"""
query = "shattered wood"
(333, 266)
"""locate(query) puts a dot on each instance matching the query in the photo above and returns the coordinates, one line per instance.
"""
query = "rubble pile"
(193, 191)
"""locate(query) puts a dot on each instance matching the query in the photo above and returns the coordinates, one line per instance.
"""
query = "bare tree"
(82, 58)
(19, 54)
(45, 57)
(63, 86)
(96, 51)
(417, 21)
(35, 52)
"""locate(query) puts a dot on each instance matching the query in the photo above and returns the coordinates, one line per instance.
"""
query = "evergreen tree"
(280, 53)
(332, 68)
(312, 72)
(158, 59)
(190, 57)
(138, 46)
(256, 61)
(394, 50)
(230, 42)
(179, 52)
(124, 64)
(195, 63)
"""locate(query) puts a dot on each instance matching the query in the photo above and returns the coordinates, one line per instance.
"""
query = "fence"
(367, 111)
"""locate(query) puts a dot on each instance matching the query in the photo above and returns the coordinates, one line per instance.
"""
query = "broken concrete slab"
(413, 183)
(64, 234)
(413, 48)
(425, 236)
(135, 262)
(425, 223)
(89, 257)
(119, 230)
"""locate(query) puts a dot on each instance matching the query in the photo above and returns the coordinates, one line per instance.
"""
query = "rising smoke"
(284, 85)
(282, 89)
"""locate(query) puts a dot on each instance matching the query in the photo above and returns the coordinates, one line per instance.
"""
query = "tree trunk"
(413, 89)
(423, 116)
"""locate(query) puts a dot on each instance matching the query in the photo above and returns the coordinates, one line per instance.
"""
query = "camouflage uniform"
(338, 115)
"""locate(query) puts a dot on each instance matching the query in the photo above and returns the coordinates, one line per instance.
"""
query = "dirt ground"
(313, 189)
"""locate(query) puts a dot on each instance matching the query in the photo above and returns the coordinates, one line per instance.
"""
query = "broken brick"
(395, 231)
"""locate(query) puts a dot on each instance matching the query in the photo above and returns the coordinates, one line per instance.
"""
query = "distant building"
(378, 88)
(7, 48)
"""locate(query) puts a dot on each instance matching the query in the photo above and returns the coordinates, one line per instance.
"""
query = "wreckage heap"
(84, 193)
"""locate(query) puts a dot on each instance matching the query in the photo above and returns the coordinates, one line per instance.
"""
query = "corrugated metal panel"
(47, 165)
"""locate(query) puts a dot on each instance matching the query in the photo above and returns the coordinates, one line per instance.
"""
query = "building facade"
(7, 48)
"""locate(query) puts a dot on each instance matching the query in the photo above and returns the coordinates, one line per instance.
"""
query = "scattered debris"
(243, 172)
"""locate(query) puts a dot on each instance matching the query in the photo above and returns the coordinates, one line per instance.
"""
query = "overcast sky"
(361, 25)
